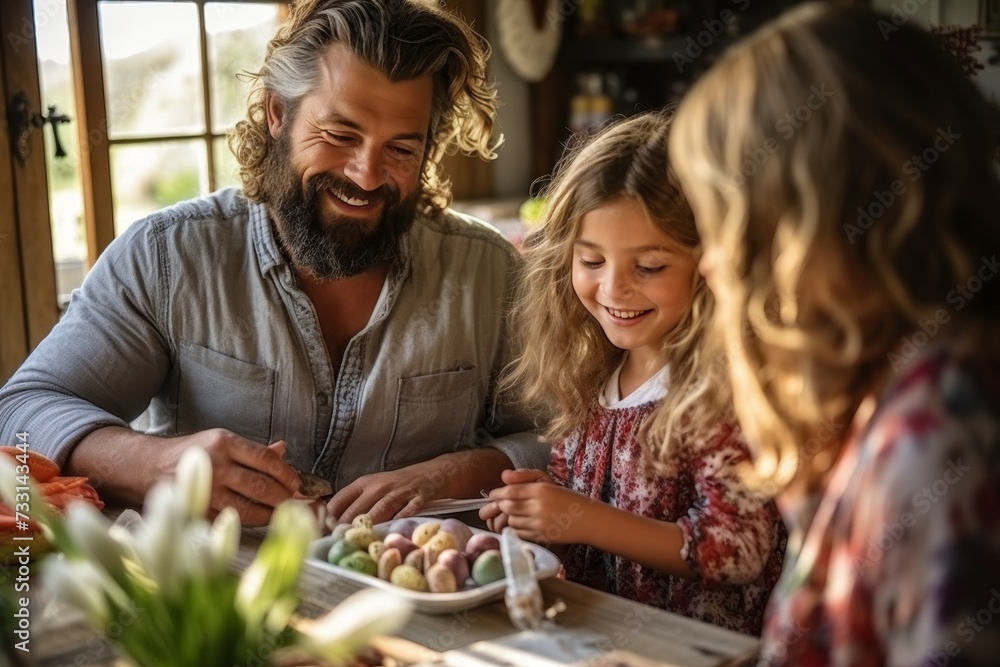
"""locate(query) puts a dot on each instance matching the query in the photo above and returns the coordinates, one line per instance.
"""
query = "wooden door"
(28, 303)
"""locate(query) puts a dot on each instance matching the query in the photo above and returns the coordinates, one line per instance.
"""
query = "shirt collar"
(269, 255)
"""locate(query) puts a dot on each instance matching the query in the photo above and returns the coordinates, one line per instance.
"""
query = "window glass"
(226, 168)
(149, 176)
(237, 35)
(152, 68)
(69, 240)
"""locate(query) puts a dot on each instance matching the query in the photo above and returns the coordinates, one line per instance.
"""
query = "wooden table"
(624, 633)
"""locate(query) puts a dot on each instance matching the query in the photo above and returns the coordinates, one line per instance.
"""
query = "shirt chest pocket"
(432, 415)
(218, 391)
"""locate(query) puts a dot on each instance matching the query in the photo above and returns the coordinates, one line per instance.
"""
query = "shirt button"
(323, 399)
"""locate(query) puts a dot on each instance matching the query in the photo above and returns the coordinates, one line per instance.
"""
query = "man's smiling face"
(343, 175)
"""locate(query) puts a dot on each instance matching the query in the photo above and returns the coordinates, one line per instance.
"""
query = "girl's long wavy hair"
(566, 357)
(842, 169)
(401, 39)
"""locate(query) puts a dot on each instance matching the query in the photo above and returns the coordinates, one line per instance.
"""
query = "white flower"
(89, 530)
(194, 481)
(172, 558)
(350, 626)
(225, 539)
(159, 540)
(12, 483)
(78, 584)
(275, 569)
(194, 552)
(8, 480)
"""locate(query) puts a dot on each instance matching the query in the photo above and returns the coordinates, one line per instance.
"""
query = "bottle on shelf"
(592, 19)
(591, 106)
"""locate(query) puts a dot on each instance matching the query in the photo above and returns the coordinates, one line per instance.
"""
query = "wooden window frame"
(92, 115)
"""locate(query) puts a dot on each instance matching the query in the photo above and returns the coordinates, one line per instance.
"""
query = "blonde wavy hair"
(842, 172)
(402, 39)
(566, 357)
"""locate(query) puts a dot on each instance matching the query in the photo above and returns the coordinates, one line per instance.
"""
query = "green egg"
(488, 568)
(359, 561)
(339, 549)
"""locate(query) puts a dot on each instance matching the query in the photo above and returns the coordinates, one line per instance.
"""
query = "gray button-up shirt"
(193, 319)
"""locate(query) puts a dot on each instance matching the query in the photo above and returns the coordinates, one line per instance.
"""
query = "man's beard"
(333, 246)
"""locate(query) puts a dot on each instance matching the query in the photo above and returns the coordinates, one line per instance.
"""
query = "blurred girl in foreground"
(842, 171)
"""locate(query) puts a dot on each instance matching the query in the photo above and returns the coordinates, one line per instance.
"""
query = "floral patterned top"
(734, 541)
(898, 563)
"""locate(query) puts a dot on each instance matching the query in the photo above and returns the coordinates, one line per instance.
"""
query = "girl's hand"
(524, 476)
(495, 519)
(542, 511)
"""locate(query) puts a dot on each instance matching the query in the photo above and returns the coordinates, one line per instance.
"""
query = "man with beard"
(331, 316)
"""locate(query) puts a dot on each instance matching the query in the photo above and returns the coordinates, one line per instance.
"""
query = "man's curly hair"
(402, 39)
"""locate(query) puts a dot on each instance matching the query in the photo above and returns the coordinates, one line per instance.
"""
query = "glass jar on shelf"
(591, 106)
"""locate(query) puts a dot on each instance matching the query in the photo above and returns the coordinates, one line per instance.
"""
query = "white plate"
(546, 565)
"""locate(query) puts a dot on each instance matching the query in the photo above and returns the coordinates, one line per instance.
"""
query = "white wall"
(511, 170)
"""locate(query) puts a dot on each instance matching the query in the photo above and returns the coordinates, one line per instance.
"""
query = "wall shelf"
(649, 72)
(621, 51)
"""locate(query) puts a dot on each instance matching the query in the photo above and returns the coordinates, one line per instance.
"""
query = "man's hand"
(245, 475)
(402, 493)
(491, 514)
(384, 495)
(539, 510)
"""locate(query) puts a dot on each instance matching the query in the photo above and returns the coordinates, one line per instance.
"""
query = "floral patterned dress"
(734, 541)
(898, 563)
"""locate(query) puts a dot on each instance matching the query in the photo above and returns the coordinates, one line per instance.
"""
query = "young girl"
(613, 317)
(855, 270)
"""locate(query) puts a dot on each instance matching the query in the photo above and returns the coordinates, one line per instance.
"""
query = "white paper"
(452, 506)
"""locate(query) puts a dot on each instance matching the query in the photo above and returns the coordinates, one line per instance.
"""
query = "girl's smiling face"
(632, 277)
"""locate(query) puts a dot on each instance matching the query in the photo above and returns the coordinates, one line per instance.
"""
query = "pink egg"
(458, 530)
(455, 561)
(397, 541)
(479, 543)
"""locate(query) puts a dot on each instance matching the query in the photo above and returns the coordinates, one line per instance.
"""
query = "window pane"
(69, 240)
(237, 36)
(147, 177)
(226, 167)
(152, 68)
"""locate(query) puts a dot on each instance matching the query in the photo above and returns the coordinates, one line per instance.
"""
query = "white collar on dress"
(653, 389)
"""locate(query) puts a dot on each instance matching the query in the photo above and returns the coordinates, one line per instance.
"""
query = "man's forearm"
(121, 463)
(464, 474)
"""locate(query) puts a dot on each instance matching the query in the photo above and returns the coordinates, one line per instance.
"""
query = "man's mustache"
(383, 193)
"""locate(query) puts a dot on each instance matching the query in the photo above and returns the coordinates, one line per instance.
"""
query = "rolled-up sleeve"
(730, 534)
(523, 449)
(103, 361)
